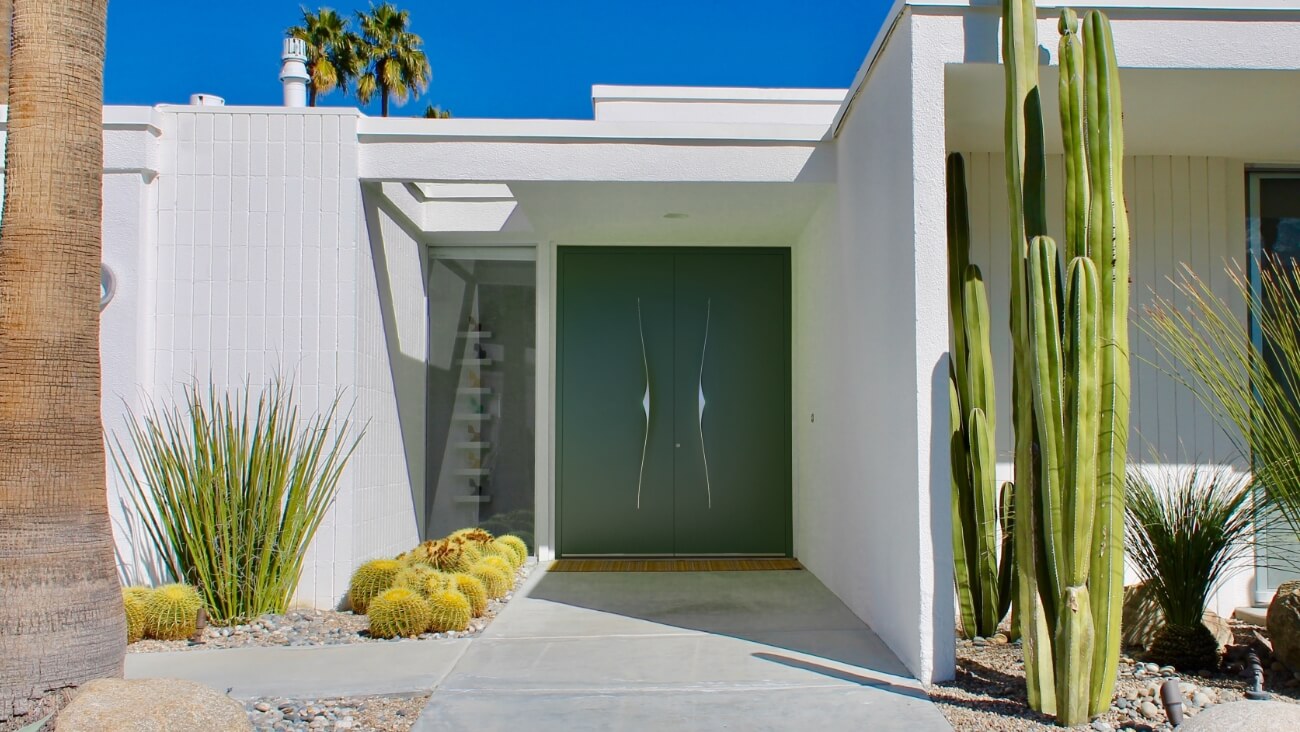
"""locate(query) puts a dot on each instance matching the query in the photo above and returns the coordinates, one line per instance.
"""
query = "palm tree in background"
(61, 618)
(395, 64)
(332, 51)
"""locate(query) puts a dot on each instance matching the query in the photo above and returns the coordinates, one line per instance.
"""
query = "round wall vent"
(107, 286)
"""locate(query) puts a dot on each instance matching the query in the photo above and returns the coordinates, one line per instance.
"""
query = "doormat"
(673, 565)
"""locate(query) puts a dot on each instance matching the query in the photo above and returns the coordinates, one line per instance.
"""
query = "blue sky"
(513, 58)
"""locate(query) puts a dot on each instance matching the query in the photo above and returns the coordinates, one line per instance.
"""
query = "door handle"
(704, 453)
(645, 402)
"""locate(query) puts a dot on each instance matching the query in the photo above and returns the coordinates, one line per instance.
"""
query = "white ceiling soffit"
(758, 214)
(454, 211)
(1245, 114)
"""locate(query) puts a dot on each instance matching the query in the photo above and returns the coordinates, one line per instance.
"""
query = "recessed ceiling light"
(676, 215)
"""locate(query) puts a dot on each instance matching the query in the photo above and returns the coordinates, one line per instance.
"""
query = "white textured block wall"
(262, 266)
(391, 384)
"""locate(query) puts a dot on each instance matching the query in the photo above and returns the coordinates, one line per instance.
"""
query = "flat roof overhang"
(598, 182)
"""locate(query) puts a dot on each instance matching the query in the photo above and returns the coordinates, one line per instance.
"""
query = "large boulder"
(151, 705)
(1142, 618)
(1245, 716)
(1284, 624)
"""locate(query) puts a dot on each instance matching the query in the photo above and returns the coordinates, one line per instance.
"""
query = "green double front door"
(674, 402)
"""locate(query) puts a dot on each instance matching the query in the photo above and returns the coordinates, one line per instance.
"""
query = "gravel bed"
(308, 627)
(989, 691)
(369, 713)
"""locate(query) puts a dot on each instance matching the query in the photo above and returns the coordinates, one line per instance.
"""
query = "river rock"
(151, 705)
(1245, 716)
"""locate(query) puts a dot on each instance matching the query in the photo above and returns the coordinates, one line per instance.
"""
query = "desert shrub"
(1185, 529)
(231, 488)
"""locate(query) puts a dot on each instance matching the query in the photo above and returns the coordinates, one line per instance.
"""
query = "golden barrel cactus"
(473, 590)
(172, 612)
(399, 612)
(370, 579)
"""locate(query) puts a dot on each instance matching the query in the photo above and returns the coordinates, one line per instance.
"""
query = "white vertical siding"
(1182, 211)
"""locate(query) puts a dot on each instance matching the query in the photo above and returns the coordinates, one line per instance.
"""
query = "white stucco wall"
(241, 252)
(872, 502)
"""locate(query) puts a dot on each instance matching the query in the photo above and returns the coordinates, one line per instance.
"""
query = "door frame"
(554, 274)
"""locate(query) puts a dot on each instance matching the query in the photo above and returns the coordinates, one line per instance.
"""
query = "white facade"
(247, 241)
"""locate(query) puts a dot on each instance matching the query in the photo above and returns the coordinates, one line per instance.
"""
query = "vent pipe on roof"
(293, 72)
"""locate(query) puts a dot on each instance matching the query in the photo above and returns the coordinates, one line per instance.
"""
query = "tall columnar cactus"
(983, 583)
(1071, 367)
(1108, 245)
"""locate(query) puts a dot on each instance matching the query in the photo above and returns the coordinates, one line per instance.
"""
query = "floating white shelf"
(472, 499)
(473, 390)
(473, 472)
(473, 445)
(472, 417)
(476, 334)
(476, 361)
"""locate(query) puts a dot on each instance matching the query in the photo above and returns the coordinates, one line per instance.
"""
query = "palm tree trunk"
(61, 619)
(383, 100)
(6, 43)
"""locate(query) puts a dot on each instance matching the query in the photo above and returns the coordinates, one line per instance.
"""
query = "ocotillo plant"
(979, 509)
(1071, 368)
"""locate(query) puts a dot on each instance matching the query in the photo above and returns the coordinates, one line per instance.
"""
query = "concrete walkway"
(613, 652)
(356, 669)
(678, 651)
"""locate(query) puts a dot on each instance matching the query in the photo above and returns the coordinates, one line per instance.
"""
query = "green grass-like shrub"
(1185, 529)
(232, 487)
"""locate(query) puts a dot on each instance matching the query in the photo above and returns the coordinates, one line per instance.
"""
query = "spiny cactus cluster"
(473, 590)
(169, 612)
(438, 586)
(135, 599)
(452, 554)
(517, 545)
(494, 580)
(399, 612)
(449, 610)
(370, 579)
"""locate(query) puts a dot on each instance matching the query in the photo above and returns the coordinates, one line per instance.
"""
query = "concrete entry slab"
(396, 667)
(681, 651)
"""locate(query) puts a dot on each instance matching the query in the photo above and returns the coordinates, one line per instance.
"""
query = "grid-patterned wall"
(262, 265)
(393, 351)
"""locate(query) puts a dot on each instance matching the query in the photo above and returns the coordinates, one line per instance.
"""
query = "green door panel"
(711, 322)
(732, 477)
(603, 370)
